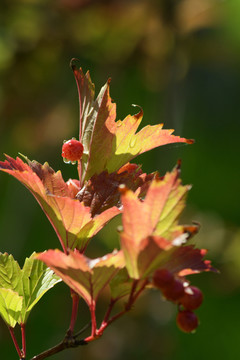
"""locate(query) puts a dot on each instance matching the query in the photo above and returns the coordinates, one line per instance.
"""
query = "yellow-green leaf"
(10, 306)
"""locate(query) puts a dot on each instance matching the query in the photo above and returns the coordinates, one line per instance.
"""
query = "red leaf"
(188, 260)
(101, 191)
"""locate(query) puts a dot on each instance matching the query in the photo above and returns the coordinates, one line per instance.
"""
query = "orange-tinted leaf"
(150, 229)
(71, 220)
(157, 214)
(155, 252)
(145, 256)
(88, 277)
(108, 144)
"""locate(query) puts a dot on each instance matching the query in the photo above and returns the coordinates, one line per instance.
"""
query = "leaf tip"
(190, 141)
(139, 115)
(179, 164)
(72, 65)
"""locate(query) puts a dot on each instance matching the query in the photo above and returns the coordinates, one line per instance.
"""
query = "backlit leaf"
(87, 277)
(157, 214)
(28, 284)
(71, 220)
(10, 272)
(37, 279)
(10, 306)
(109, 144)
(151, 234)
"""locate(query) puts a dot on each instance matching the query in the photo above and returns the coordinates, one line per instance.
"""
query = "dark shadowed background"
(180, 61)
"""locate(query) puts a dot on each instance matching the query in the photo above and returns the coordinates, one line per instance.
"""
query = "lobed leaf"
(157, 214)
(37, 279)
(108, 144)
(151, 234)
(87, 277)
(10, 306)
(28, 284)
(146, 256)
(71, 220)
(101, 191)
(10, 272)
(188, 260)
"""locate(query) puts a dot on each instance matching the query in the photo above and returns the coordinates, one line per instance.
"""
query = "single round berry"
(192, 298)
(72, 150)
(174, 290)
(162, 278)
(187, 321)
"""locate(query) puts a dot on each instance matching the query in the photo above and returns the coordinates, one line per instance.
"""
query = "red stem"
(132, 298)
(93, 317)
(11, 330)
(94, 332)
(110, 307)
(23, 340)
(75, 302)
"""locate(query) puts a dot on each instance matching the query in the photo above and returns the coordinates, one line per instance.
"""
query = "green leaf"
(87, 277)
(30, 283)
(10, 272)
(108, 144)
(10, 306)
(37, 279)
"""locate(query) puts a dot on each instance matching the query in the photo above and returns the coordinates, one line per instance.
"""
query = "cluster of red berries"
(72, 150)
(180, 292)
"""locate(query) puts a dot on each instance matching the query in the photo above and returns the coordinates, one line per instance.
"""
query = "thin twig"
(65, 344)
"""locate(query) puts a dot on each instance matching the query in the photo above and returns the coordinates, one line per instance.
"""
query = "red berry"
(174, 291)
(187, 321)
(192, 298)
(162, 278)
(72, 150)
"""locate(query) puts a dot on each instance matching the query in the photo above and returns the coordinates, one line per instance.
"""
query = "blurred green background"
(180, 61)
